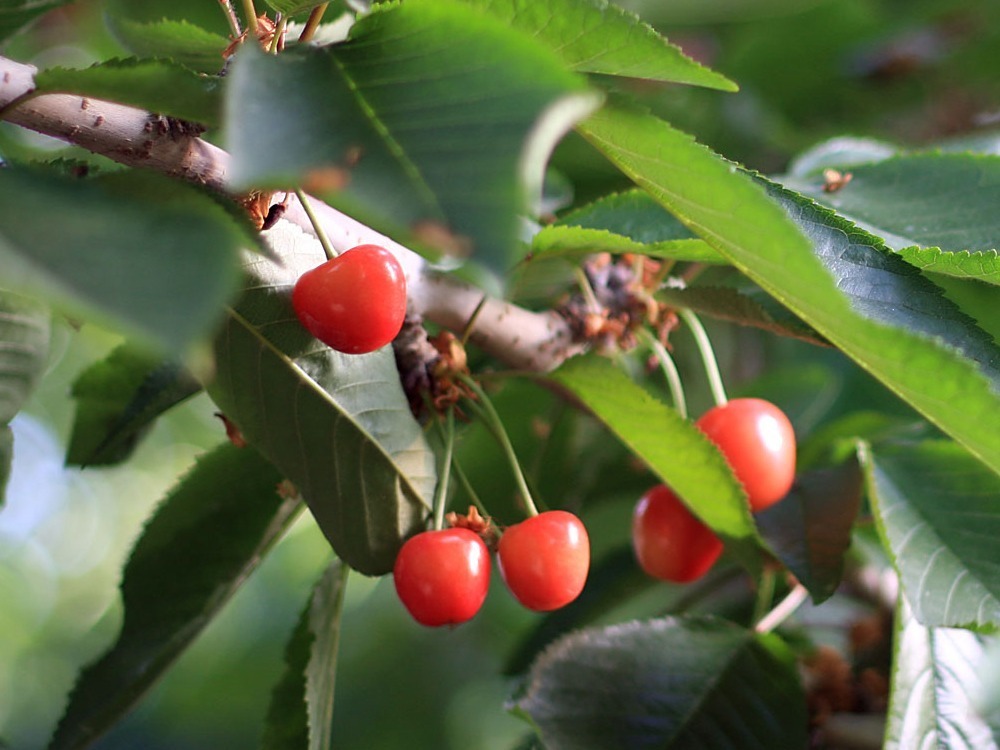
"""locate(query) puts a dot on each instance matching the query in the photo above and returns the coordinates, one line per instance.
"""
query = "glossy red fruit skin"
(758, 441)
(354, 303)
(545, 559)
(670, 542)
(442, 576)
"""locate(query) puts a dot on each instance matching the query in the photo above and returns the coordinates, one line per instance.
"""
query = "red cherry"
(757, 439)
(545, 560)
(670, 542)
(354, 303)
(442, 576)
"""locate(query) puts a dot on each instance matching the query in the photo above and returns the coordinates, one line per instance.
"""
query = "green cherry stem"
(587, 290)
(707, 355)
(279, 32)
(251, 13)
(765, 594)
(441, 492)
(463, 479)
(669, 371)
(485, 410)
(314, 220)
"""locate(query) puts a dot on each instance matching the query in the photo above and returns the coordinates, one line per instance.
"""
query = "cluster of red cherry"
(757, 440)
(356, 302)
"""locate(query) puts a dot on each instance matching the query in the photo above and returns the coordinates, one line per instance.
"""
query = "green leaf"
(337, 425)
(668, 683)
(810, 529)
(25, 333)
(632, 214)
(208, 535)
(131, 250)
(434, 119)
(160, 86)
(938, 511)
(16, 14)
(674, 449)
(825, 279)
(301, 711)
(117, 401)
(928, 199)
(595, 36)
(936, 675)
(292, 7)
(981, 265)
(576, 242)
(180, 41)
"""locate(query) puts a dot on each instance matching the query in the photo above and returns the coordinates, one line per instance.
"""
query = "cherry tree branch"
(521, 338)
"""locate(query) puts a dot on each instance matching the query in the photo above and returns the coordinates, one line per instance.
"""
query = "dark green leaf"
(292, 7)
(577, 242)
(833, 279)
(938, 511)
(180, 41)
(433, 119)
(673, 448)
(810, 529)
(936, 675)
(337, 425)
(24, 348)
(931, 200)
(203, 542)
(160, 86)
(594, 36)
(118, 399)
(300, 715)
(671, 683)
(982, 265)
(133, 250)
(16, 14)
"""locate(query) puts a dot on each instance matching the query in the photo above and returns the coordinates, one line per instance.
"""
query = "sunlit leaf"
(595, 36)
(936, 676)
(209, 534)
(836, 279)
(938, 510)
(337, 425)
(981, 265)
(575, 242)
(669, 683)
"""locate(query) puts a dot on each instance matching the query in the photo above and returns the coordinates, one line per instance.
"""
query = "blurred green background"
(913, 72)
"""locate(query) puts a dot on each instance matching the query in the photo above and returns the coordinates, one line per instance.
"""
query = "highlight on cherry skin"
(354, 303)
(442, 576)
(670, 542)
(545, 559)
(758, 441)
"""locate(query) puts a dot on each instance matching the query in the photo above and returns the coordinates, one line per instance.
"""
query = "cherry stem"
(317, 226)
(441, 493)
(231, 17)
(670, 372)
(489, 415)
(279, 34)
(782, 610)
(312, 23)
(251, 13)
(463, 479)
(765, 594)
(707, 355)
(588, 291)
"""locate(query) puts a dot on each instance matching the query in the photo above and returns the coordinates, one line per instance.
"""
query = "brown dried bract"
(232, 431)
(475, 522)
(834, 180)
(266, 29)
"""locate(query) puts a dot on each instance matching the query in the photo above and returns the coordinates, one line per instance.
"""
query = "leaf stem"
(251, 13)
(317, 226)
(670, 372)
(441, 492)
(312, 23)
(488, 413)
(707, 355)
(782, 610)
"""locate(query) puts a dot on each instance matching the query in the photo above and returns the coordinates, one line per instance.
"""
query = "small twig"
(312, 23)
(782, 610)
